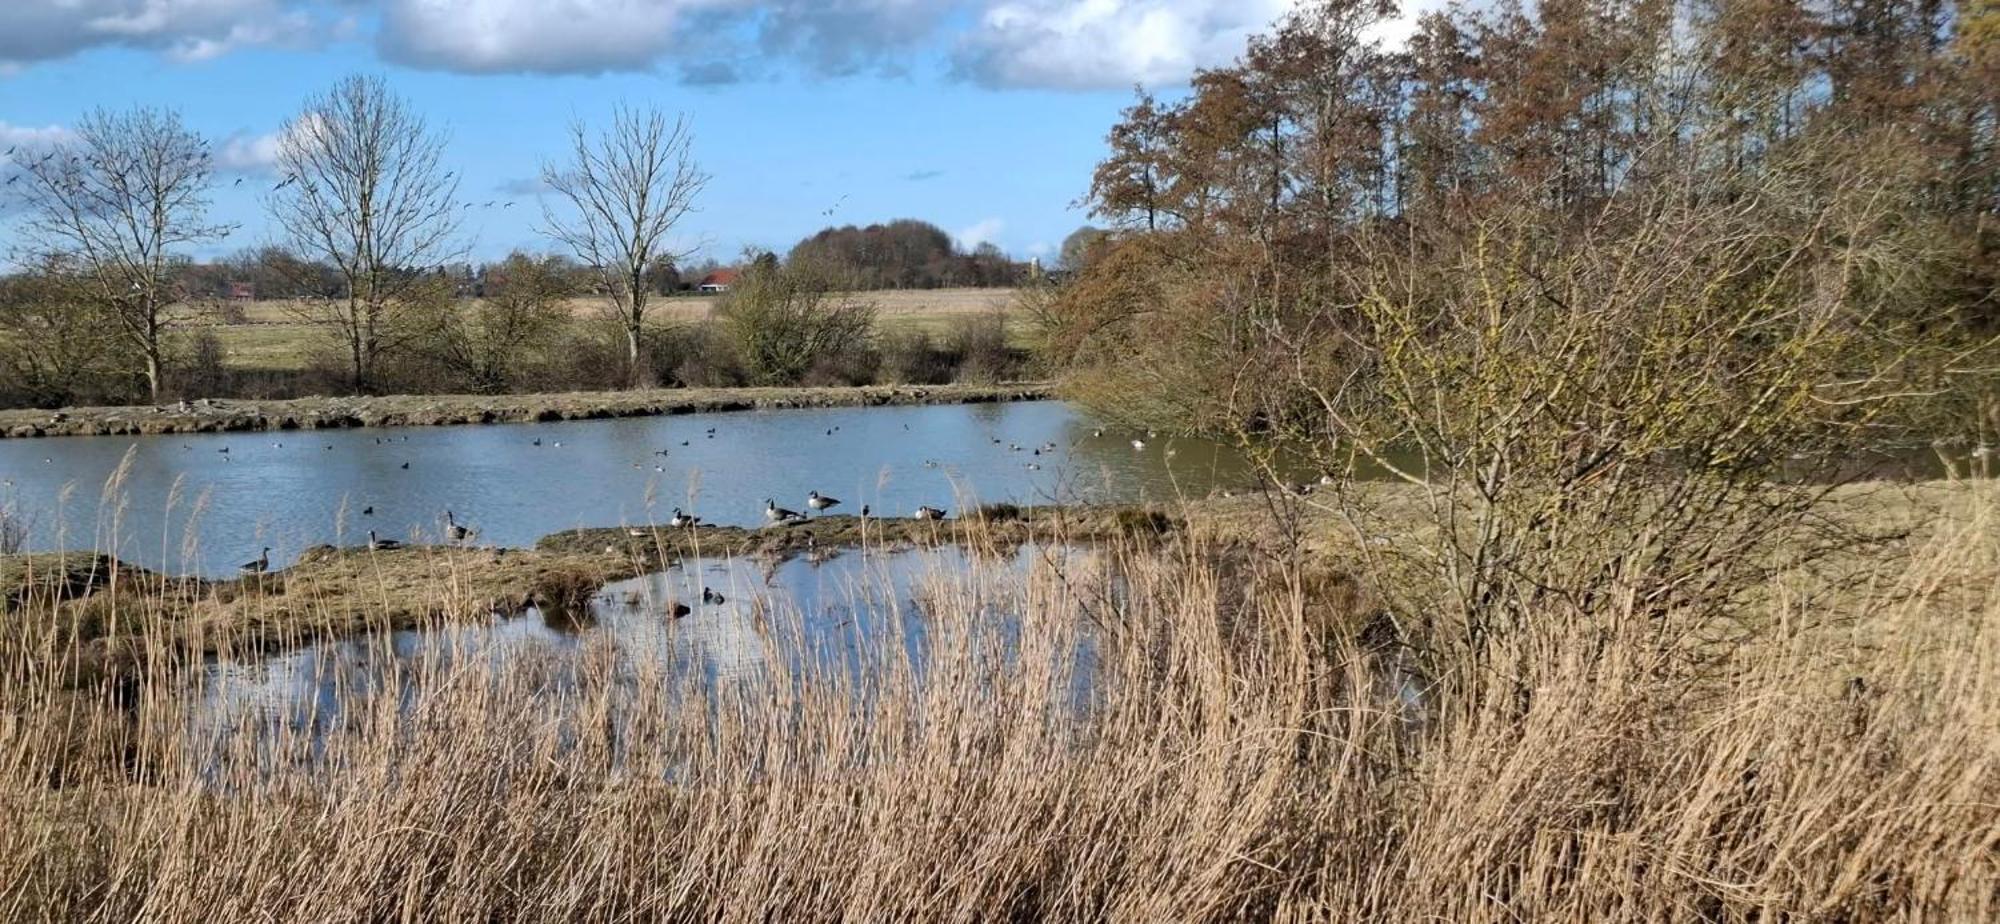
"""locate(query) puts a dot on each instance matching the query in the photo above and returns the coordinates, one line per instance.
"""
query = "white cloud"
(565, 36)
(184, 30)
(1063, 44)
(707, 37)
(25, 140)
(986, 231)
(247, 153)
(1098, 44)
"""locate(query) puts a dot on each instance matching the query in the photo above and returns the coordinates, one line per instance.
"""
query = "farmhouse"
(718, 281)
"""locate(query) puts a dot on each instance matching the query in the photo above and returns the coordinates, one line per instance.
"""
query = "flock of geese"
(815, 503)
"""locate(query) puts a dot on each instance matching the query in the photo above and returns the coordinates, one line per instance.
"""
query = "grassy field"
(273, 336)
(1251, 749)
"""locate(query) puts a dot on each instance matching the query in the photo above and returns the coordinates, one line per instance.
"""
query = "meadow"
(1256, 742)
(272, 336)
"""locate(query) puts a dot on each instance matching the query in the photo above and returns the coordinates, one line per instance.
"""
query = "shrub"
(785, 320)
(979, 344)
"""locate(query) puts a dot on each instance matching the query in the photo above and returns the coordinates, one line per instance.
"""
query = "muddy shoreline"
(235, 416)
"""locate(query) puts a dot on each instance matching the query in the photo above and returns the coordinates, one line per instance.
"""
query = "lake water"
(844, 619)
(203, 503)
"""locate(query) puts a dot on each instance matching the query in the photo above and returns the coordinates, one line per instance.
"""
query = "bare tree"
(364, 190)
(115, 206)
(627, 189)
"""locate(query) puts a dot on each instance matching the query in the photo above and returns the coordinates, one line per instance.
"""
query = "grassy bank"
(449, 410)
(1254, 746)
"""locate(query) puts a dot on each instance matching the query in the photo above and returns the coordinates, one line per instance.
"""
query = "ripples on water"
(848, 620)
(184, 504)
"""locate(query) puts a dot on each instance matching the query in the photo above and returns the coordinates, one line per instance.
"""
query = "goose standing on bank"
(777, 514)
(929, 513)
(258, 566)
(382, 545)
(454, 530)
(820, 503)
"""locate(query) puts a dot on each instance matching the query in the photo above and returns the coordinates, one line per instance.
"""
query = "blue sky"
(982, 116)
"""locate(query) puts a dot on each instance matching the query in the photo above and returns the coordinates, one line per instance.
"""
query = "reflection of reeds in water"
(1237, 754)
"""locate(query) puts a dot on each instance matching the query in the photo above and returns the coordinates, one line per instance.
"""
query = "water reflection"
(202, 503)
(834, 619)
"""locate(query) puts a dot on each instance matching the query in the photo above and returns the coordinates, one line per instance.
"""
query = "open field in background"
(273, 336)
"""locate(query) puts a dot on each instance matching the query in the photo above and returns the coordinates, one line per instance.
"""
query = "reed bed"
(1179, 729)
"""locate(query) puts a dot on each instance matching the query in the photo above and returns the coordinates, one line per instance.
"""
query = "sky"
(984, 117)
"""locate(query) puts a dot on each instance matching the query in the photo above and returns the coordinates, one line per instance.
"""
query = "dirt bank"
(450, 410)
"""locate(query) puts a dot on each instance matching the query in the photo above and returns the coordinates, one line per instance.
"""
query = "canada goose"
(819, 502)
(1138, 444)
(929, 513)
(260, 565)
(382, 545)
(864, 511)
(681, 520)
(710, 597)
(406, 466)
(537, 441)
(777, 514)
(453, 530)
(1097, 432)
(679, 609)
(224, 450)
(1034, 466)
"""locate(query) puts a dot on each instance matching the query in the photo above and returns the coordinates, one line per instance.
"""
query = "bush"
(785, 320)
(911, 358)
(979, 345)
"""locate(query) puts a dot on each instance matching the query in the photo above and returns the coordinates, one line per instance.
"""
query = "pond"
(203, 503)
(850, 619)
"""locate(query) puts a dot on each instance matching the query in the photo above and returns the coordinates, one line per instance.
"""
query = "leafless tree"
(365, 191)
(115, 206)
(620, 195)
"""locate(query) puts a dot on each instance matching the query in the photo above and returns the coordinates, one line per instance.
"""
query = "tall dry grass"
(1252, 746)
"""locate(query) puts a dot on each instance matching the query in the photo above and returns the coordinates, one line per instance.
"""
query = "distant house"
(242, 292)
(718, 281)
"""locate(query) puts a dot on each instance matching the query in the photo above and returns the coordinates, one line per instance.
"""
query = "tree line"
(367, 221)
(1620, 291)
(1250, 217)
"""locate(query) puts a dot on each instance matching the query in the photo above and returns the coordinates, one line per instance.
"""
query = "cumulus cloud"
(1062, 44)
(986, 231)
(184, 30)
(248, 153)
(1099, 44)
(18, 142)
(534, 36)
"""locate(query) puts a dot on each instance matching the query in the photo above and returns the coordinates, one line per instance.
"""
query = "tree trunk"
(632, 353)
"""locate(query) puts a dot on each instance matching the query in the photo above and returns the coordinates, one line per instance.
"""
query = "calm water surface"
(182, 503)
(840, 614)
